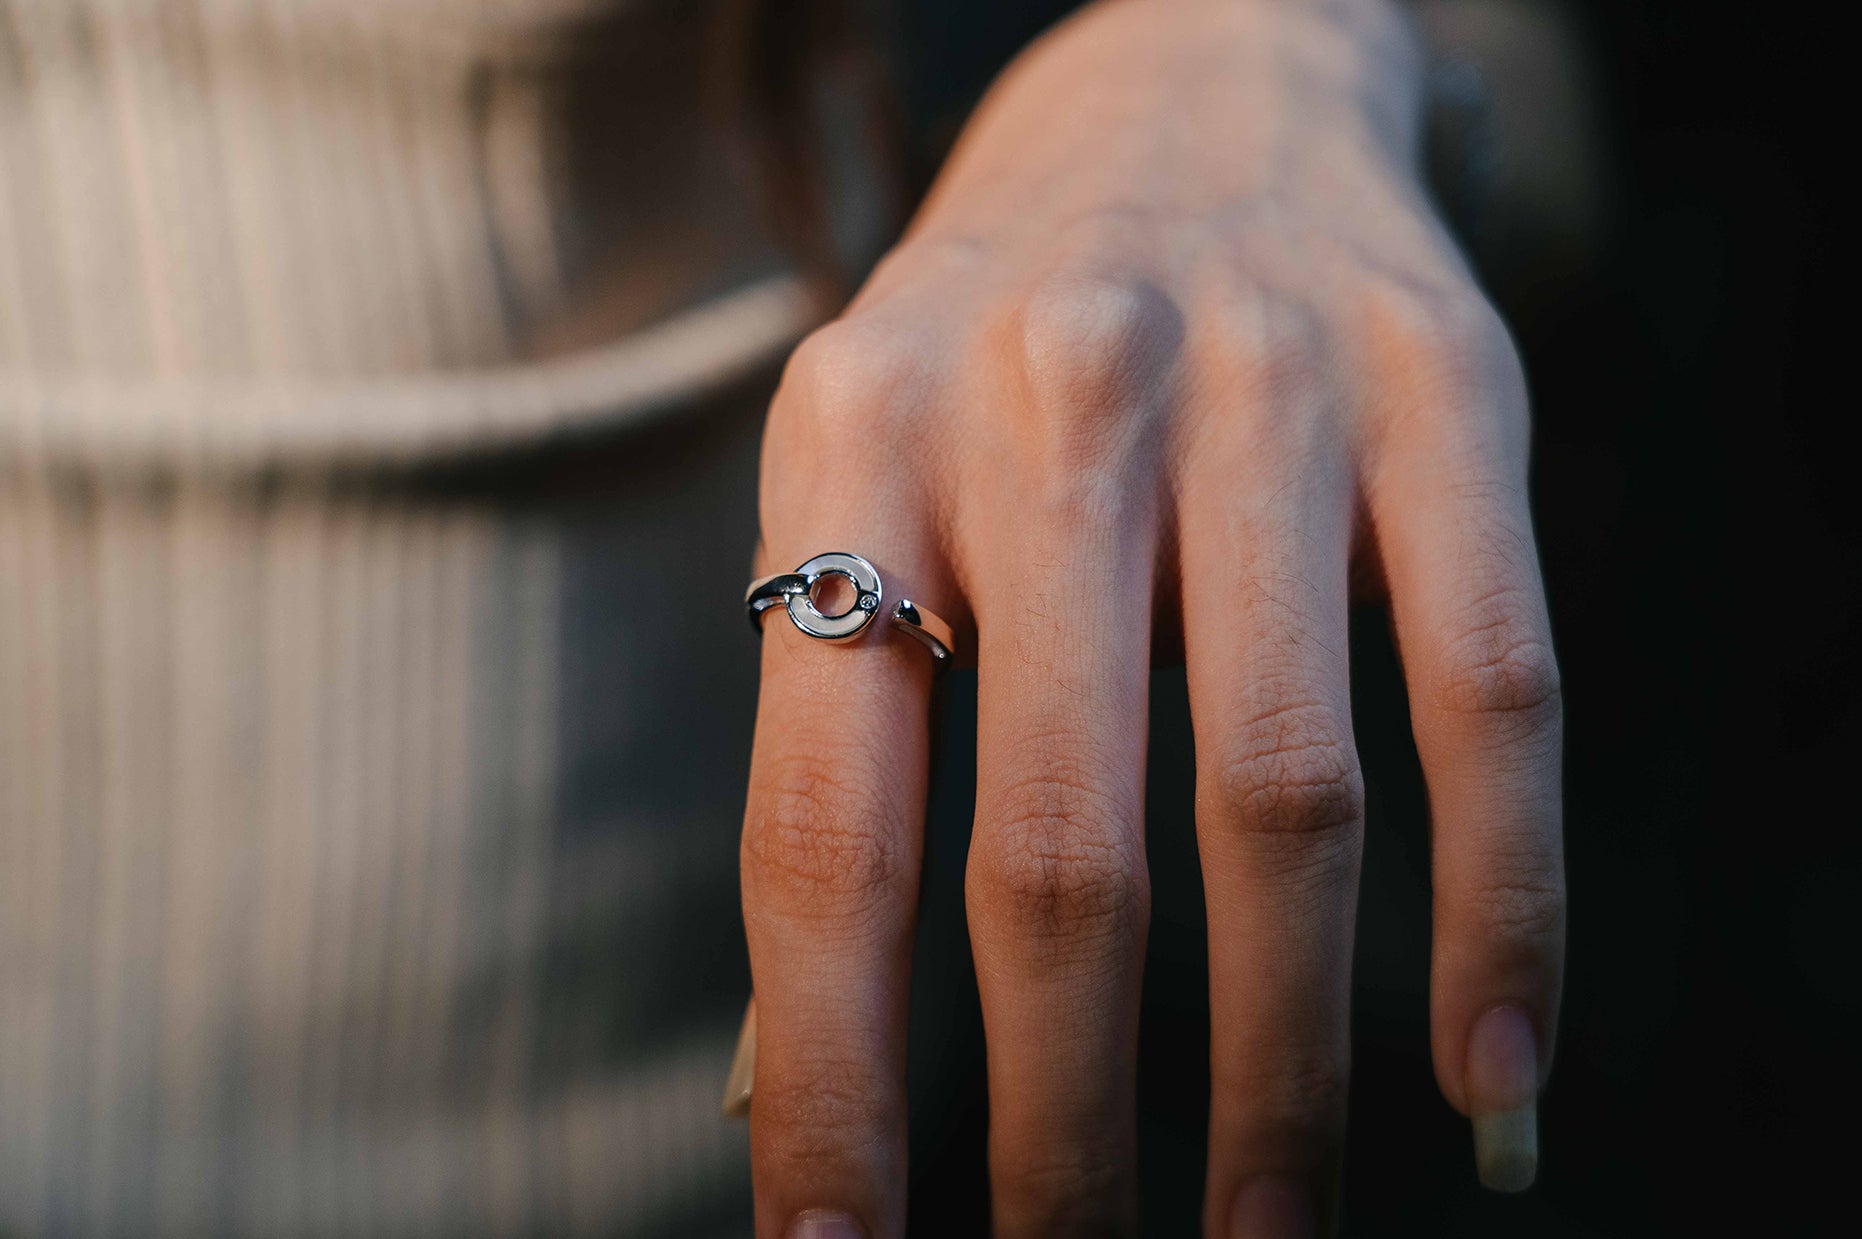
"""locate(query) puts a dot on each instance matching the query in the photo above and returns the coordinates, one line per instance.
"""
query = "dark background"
(1685, 364)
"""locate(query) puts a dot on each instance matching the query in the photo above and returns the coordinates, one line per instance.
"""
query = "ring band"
(794, 591)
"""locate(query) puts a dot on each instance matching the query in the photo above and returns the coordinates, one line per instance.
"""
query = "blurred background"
(368, 804)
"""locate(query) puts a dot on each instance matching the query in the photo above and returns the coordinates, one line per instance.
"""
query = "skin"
(1176, 360)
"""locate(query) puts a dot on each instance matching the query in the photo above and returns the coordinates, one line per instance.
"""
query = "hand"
(1176, 352)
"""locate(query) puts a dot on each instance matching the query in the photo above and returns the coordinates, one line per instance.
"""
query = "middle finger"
(1057, 890)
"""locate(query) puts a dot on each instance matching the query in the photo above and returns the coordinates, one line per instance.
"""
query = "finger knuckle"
(1084, 344)
(1293, 771)
(1060, 866)
(820, 1105)
(1063, 1185)
(1521, 913)
(1266, 345)
(1438, 340)
(848, 373)
(1298, 1092)
(817, 842)
(1502, 667)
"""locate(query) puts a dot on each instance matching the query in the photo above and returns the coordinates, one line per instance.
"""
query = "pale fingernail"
(1272, 1207)
(821, 1224)
(743, 1067)
(1503, 1087)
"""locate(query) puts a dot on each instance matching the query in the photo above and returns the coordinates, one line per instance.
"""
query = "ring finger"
(1279, 819)
(831, 847)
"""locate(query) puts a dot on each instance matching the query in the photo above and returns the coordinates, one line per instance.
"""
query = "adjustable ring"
(795, 592)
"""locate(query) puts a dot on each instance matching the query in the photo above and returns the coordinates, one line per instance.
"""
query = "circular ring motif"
(794, 592)
(863, 577)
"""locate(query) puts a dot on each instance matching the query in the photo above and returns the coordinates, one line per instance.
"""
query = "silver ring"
(795, 591)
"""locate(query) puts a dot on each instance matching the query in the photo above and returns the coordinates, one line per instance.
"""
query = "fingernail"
(1272, 1207)
(1503, 1087)
(822, 1224)
(743, 1067)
